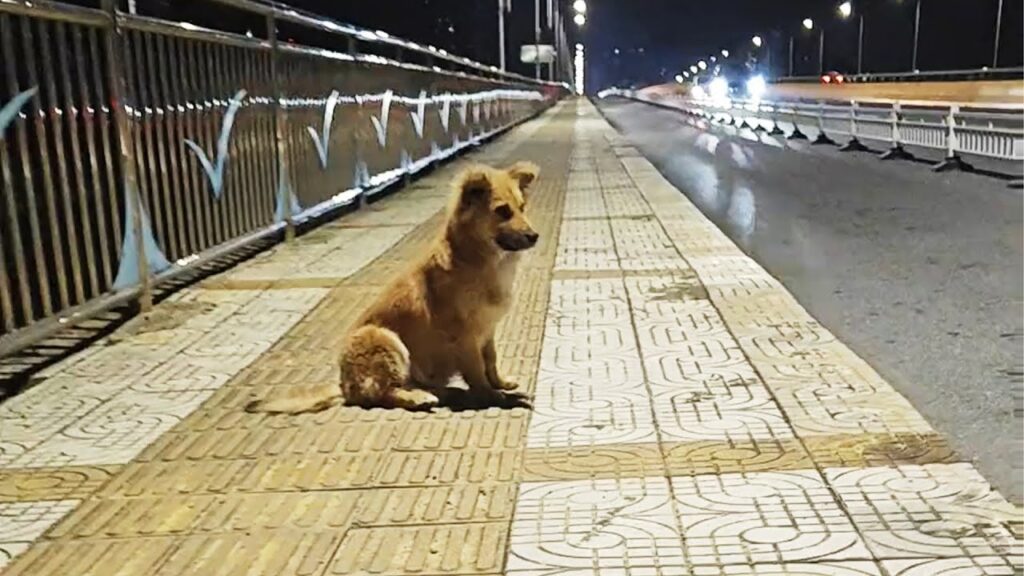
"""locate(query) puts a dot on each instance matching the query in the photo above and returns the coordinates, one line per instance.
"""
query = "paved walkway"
(690, 418)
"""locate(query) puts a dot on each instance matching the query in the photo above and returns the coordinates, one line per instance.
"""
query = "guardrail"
(989, 131)
(134, 149)
(920, 76)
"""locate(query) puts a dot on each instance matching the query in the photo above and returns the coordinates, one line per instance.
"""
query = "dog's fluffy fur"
(438, 319)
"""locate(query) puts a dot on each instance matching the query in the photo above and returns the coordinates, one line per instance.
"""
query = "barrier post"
(953, 160)
(115, 45)
(822, 137)
(284, 187)
(896, 151)
(854, 145)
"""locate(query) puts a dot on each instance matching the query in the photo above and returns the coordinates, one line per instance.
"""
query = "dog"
(438, 319)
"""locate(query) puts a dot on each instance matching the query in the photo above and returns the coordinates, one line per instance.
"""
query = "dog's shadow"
(459, 399)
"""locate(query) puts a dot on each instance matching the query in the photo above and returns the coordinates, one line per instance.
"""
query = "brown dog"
(438, 319)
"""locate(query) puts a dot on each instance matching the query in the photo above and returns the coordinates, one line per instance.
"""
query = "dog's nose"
(532, 237)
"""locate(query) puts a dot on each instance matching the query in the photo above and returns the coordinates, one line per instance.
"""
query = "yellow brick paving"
(690, 417)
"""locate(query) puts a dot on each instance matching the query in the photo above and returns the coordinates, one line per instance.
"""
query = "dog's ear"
(524, 173)
(474, 188)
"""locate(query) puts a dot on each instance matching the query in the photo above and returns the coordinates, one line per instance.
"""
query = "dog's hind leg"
(375, 370)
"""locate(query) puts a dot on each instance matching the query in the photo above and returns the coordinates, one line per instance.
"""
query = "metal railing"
(132, 149)
(990, 131)
(919, 76)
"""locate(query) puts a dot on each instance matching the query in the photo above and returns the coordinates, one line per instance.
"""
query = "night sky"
(657, 39)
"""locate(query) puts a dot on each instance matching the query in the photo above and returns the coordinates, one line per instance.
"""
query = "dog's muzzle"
(517, 242)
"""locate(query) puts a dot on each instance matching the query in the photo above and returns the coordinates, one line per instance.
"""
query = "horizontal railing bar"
(289, 14)
(55, 11)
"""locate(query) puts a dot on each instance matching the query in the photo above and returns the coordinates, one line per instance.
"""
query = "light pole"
(808, 24)
(821, 51)
(759, 42)
(790, 55)
(917, 34)
(503, 5)
(999, 25)
(846, 10)
(536, 39)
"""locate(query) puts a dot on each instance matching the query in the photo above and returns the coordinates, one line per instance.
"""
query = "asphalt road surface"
(922, 274)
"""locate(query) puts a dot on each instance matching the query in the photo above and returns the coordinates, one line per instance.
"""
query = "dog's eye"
(503, 212)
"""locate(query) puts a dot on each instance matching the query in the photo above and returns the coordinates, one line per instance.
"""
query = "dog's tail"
(299, 400)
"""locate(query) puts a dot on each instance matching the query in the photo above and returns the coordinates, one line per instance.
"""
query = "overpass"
(193, 217)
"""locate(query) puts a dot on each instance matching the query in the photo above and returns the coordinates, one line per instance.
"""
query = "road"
(976, 92)
(920, 273)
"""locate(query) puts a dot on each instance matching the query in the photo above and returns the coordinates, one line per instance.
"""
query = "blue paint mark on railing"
(285, 194)
(445, 111)
(381, 124)
(128, 269)
(420, 115)
(323, 142)
(216, 172)
(10, 110)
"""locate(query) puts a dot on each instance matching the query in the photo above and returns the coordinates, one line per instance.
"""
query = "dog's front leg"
(490, 356)
(481, 394)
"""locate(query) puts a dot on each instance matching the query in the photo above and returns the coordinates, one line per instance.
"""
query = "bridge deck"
(690, 418)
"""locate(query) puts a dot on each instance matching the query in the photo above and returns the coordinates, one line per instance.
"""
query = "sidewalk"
(690, 416)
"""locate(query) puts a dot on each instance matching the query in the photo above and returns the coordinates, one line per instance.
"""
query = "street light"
(758, 41)
(846, 10)
(580, 6)
(725, 53)
(808, 24)
(702, 65)
(693, 69)
(679, 78)
(579, 19)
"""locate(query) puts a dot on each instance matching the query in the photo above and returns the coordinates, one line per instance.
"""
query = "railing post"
(953, 160)
(796, 134)
(854, 145)
(776, 129)
(896, 151)
(822, 137)
(132, 195)
(284, 189)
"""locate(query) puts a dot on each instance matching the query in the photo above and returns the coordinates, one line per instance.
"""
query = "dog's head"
(489, 206)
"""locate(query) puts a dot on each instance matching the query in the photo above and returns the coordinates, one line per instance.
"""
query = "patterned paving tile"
(792, 569)
(716, 457)
(326, 253)
(869, 450)
(973, 566)
(617, 524)
(593, 461)
(79, 417)
(23, 522)
(935, 510)
(763, 517)
(65, 483)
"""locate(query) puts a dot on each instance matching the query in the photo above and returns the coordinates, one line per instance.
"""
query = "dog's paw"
(514, 400)
(414, 399)
(507, 385)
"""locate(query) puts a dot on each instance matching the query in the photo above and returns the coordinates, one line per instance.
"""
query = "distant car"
(832, 77)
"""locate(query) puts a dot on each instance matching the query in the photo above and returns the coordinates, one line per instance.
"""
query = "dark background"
(659, 38)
